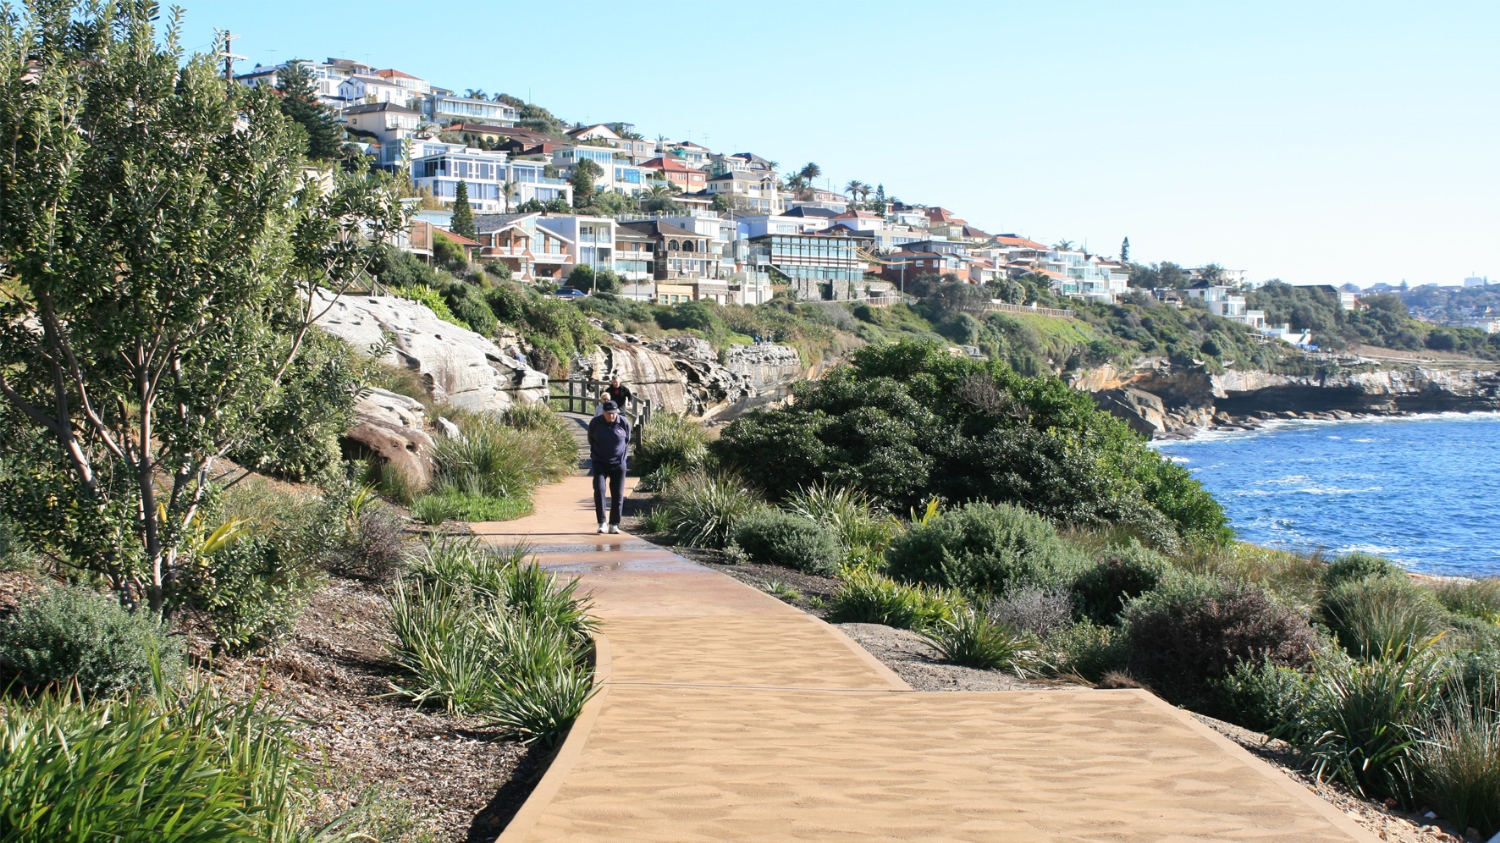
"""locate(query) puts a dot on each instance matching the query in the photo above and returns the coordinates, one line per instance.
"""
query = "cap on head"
(611, 407)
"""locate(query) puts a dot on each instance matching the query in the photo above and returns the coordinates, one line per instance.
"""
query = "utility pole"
(224, 39)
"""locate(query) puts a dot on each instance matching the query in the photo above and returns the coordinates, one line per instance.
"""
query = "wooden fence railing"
(583, 397)
(1003, 307)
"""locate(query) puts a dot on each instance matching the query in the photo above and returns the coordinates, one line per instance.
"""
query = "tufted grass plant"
(701, 508)
(865, 596)
(155, 768)
(1374, 614)
(1472, 598)
(490, 632)
(1457, 759)
(974, 639)
(669, 447)
(851, 514)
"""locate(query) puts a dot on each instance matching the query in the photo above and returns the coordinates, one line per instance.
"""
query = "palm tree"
(810, 172)
(852, 189)
(475, 94)
(1063, 246)
(796, 182)
(508, 190)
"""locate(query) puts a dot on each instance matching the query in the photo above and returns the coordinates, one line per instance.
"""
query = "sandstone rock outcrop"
(392, 427)
(684, 375)
(1141, 410)
(459, 366)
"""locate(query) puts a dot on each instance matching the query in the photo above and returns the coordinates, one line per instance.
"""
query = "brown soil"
(1426, 356)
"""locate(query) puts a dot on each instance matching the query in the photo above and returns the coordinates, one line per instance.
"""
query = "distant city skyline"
(1315, 142)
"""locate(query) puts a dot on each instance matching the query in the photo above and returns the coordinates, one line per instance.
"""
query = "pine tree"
(880, 193)
(1125, 250)
(299, 101)
(463, 213)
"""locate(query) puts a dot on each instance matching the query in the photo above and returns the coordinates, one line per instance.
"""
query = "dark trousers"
(616, 477)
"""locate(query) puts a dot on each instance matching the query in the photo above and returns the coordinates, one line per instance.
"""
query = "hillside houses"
(683, 220)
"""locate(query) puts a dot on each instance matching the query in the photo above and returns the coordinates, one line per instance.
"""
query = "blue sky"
(1316, 142)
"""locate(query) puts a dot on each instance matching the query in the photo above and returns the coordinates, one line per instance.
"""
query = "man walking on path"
(609, 436)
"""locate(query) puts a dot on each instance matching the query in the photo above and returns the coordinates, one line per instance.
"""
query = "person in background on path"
(615, 392)
(609, 437)
(516, 355)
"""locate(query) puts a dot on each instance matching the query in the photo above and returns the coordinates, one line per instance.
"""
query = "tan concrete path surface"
(725, 715)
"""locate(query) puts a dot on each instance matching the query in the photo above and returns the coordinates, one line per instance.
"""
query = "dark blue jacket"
(607, 442)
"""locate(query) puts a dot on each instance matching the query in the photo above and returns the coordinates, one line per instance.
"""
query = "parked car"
(569, 293)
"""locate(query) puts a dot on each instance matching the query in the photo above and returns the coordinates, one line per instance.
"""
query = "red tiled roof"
(392, 72)
(660, 163)
(943, 215)
(1006, 240)
(458, 238)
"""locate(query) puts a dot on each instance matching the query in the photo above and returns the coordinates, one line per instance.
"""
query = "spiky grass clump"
(149, 769)
(702, 508)
(1471, 598)
(670, 446)
(851, 514)
(867, 597)
(1377, 613)
(490, 632)
(973, 639)
(1458, 759)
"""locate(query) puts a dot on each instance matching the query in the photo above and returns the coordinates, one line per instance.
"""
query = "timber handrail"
(583, 397)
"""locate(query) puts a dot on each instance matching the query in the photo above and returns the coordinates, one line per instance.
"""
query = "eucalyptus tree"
(161, 246)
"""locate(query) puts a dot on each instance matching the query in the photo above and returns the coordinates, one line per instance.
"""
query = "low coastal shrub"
(851, 514)
(1191, 631)
(1264, 697)
(70, 635)
(1295, 578)
(199, 768)
(782, 538)
(1457, 760)
(1353, 567)
(701, 508)
(983, 548)
(1356, 725)
(1374, 614)
(1032, 609)
(359, 535)
(491, 633)
(253, 589)
(973, 639)
(1120, 575)
(1471, 598)
(670, 445)
(1088, 650)
(868, 597)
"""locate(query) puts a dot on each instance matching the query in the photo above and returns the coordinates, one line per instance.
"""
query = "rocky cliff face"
(684, 375)
(1159, 399)
(460, 367)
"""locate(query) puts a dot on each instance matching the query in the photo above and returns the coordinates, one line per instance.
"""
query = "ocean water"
(1422, 490)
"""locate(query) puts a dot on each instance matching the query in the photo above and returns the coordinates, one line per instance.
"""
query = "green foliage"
(73, 636)
(1088, 650)
(489, 472)
(851, 515)
(1471, 598)
(253, 590)
(1374, 615)
(559, 327)
(1356, 725)
(323, 137)
(973, 639)
(492, 633)
(908, 421)
(868, 597)
(296, 436)
(782, 538)
(703, 507)
(1190, 632)
(435, 508)
(1263, 697)
(433, 299)
(199, 768)
(156, 233)
(1124, 573)
(1353, 567)
(984, 549)
(582, 277)
(463, 215)
(1457, 760)
(670, 445)
(360, 536)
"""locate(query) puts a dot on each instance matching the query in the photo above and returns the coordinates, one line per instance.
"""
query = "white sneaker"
(614, 528)
(603, 527)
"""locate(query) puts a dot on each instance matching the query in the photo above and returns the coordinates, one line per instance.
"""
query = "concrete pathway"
(725, 715)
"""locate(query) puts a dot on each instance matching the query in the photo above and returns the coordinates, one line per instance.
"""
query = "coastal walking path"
(723, 714)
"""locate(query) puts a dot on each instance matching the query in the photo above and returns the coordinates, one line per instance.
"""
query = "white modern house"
(593, 238)
(373, 89)
(439, 167)
(443, 107)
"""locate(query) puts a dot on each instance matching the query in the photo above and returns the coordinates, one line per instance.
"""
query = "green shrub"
(1089, 650)
(423, 294)
(361, 537)
(435, 510)
(973, 639)
(71, 635)
(1191, 631)
(670, 445)
(984, 548)
(1457, 760)
(851, 514)
(782, 538)
(1374, 614)
(492, 633)
(867, 597)
(703, 507)
(1122, 574)
(1353, 567)
(498, 459)
(253, 590)
(1263, 697)
(1356, 724)
(1471, 598)
(149, 769)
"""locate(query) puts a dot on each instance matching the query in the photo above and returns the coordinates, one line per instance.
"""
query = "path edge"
(1340, 820)
(568, 753)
